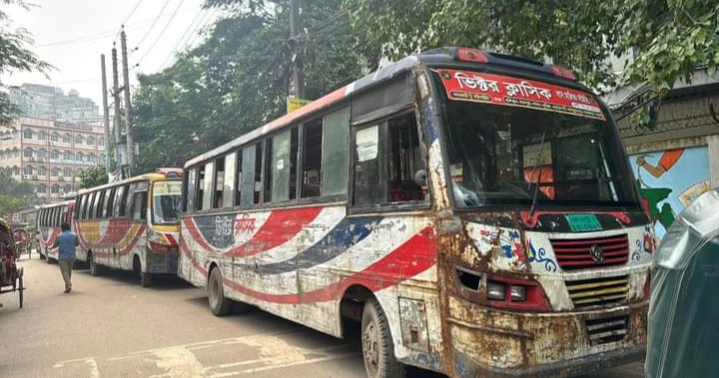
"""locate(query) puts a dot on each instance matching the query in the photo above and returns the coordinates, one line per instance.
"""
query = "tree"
(14, 57)
(238, 78)
(92, 177)
(671, 38)
(13, 194)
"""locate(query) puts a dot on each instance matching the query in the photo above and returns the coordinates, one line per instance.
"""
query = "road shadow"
(163, 282)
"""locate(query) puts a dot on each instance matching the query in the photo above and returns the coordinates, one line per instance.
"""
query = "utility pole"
(295, 26)
(116, 99)
(106, 114)
(128, 105)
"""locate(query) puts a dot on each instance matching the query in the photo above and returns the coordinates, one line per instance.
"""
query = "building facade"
(47, 102)
(49, 154)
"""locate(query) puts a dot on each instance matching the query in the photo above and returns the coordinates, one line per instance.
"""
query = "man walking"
(66, 242)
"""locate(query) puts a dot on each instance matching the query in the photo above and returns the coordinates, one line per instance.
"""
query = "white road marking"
(90, 361)
(180, 361)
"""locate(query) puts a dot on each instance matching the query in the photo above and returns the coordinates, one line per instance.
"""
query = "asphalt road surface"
(111, 327)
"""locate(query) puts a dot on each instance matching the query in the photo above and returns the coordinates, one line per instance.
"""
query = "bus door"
(135, 240)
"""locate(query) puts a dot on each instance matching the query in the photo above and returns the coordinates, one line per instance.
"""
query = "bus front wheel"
(219, 305)
(377, 345)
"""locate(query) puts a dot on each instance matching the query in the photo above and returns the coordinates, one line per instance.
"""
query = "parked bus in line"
(131, 224)
(474, 212)
(48, 221)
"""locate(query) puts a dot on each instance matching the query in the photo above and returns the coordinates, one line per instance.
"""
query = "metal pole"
(106, 113)
(116, 99)
(128, 104)
(295, 27)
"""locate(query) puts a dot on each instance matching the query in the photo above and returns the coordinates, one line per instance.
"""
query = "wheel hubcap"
(371, 348)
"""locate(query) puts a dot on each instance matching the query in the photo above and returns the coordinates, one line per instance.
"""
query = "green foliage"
(671, 37)
(92, 177)
(10, 204)
(14, 57)
(14, 194)
(238, 78)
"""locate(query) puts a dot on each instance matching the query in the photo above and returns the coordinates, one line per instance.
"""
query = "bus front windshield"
(166, 202)
(502, 153)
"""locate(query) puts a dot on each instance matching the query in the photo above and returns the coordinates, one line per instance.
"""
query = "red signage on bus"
(509, 91)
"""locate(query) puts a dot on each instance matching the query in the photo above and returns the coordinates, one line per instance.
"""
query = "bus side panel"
(48, 235)
(298, 263)
(113, 242)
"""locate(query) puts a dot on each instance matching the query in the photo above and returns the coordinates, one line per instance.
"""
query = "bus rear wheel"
(219, 305)
(377, 344)
(95, 269)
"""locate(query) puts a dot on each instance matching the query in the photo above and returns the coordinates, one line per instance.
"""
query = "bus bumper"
(465, 367)
(490, 343)
(162, 263)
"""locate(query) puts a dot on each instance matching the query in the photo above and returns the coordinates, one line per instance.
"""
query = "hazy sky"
(71, 35)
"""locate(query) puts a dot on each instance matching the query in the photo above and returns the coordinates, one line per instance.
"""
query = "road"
(110, 327)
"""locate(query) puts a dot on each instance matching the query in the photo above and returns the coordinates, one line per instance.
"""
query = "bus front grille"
(576, 254)
(607, 330)
(598, 291)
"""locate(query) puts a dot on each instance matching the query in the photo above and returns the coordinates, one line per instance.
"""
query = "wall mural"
(670, 180)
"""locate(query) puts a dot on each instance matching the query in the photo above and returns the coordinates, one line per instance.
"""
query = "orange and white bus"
(131, 224)
(48, 221)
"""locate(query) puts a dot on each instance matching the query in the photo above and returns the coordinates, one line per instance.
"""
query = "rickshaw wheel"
(21, 289)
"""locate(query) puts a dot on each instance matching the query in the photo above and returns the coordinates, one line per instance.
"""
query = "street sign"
(294, 103)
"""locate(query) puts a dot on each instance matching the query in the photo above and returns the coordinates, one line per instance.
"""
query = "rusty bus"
(474, 212)
(131, 224)
(47, 222)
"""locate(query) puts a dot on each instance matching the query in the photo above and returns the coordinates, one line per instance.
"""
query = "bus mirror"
(420, 178)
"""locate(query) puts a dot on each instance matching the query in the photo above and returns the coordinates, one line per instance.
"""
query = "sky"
(71, 35)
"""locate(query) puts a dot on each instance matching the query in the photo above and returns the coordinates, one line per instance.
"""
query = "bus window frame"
(383, 123)
(344, 199)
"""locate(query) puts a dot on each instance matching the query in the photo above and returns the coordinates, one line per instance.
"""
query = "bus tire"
(95, 269)
(377, 344)
(145, 278)
(219, 304)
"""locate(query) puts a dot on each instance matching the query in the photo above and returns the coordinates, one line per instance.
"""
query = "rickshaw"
(11, 276)
(22, 239)
(683, 335)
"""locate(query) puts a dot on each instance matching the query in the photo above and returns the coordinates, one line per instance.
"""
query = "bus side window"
(219, 183)
(247, 183)
(117, 208)
(311, 159)
(405, 160)
(110, 202)
(88, 205)
(191, 189)
(238, 177)
(281, 166)
(368, 172)
(207, 189)
(228, 189)
(98, 204)
(388, 156)
(130, 196)
(139, 210)
(335, 143)
(107, 204)
(200, 187)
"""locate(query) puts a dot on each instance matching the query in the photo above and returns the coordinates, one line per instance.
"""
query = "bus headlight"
(518, 293)
(496, 290)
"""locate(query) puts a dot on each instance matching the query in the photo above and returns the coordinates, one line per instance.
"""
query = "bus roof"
(445, 55)
(146, 176)
(56, 204)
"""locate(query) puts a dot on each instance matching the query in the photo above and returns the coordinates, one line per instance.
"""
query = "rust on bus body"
(520, 341)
